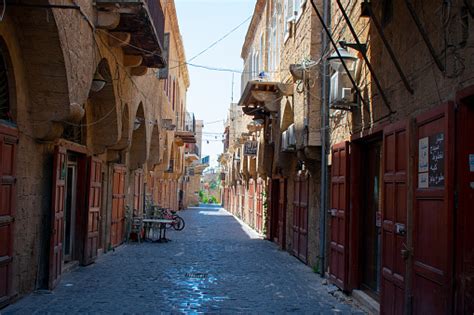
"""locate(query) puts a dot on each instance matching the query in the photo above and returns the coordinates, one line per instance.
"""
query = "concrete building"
(93, 105)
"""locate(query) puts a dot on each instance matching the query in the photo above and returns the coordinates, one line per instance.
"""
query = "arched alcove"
(102, 119)
(288, 116)
(138, 150)
(155, 147)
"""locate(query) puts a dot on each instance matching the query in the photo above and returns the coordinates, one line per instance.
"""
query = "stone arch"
(102, 113)
(47, 74)
(138, 150)
(155, 152)
(288, 116)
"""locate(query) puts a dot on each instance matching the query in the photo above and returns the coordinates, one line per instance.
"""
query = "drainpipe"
(324, 139)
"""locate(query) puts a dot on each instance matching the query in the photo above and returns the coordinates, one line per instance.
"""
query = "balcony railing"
(145, 21)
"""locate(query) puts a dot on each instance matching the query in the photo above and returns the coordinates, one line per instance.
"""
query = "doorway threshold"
(366, 301)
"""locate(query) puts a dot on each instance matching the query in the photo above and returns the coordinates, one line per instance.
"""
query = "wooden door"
(394, 217)
(274, 202)
(282, 213)
(259, 214)
(251, 202)
(138, 193)
(118, 205)
(339, 220)
(300, 216)
(433, 212)
(94, 202)
(464, 214)
(57, 216)
(8, 147)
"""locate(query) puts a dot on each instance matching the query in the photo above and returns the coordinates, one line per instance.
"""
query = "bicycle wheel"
(178, 223)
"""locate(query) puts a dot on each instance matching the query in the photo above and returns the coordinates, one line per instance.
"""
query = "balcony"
(192, 153)
(137, 26)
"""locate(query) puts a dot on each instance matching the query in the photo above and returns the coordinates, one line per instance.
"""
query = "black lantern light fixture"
(349, 59)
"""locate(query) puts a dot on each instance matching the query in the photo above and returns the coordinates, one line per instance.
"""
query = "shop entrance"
(370, 220)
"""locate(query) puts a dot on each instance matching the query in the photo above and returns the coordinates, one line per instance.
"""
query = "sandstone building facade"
(92, 121)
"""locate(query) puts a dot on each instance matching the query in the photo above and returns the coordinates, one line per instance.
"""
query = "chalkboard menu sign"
(250, 148)
(436, 160)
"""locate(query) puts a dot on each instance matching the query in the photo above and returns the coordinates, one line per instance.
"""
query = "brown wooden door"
(94, 181)
(339, 220)
(394, 217)
(118, 205)
(138, 193)
(251, 203)
(282, 213)
(8, 145)
(57, 216)
(274, 202)
(300, 216)
(259, 214)
(433, 212)
(464, 213)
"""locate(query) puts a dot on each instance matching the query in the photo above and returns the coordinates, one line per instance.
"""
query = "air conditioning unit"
(288, 139)
(341, 95)
(292, 136)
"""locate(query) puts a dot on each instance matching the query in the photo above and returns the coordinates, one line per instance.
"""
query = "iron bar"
(364, 55)
(389, 48)
(424, 34)
(339, 54)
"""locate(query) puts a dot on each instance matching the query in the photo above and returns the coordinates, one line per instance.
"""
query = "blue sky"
(202, 22)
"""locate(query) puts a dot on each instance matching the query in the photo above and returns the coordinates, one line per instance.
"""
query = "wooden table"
(150, 223)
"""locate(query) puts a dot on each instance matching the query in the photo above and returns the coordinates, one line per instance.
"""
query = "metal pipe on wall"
(324, 141)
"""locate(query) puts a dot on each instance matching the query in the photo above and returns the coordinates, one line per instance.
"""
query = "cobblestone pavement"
(215, 265)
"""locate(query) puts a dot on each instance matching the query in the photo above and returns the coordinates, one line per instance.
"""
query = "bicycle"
(178, 222)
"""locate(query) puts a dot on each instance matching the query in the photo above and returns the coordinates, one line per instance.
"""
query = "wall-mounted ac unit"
(342, 95)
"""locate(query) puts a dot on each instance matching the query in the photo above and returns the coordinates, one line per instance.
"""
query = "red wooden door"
(57, 216)
(138, 193)
(118, 205)
(433, 212)
(282, 213)
(251, 203)
(8, 143)
(339, 220)
(94, 181)
(464, 213)
(300, 216)
(394, 217)
(259, 214)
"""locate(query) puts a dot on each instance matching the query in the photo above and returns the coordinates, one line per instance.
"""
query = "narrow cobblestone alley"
(243, 274)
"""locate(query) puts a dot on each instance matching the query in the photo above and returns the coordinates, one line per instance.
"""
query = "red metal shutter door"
(8, 144)
(394, 217)
(433, 212)
(339, 220)
(57, 216)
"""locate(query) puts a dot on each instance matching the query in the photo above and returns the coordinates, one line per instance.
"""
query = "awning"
(261, 98)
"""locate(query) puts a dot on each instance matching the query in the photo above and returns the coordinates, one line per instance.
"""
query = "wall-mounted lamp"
(336, 62)
(98, 82)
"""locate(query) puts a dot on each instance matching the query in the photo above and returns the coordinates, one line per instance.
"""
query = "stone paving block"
(241, 274)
